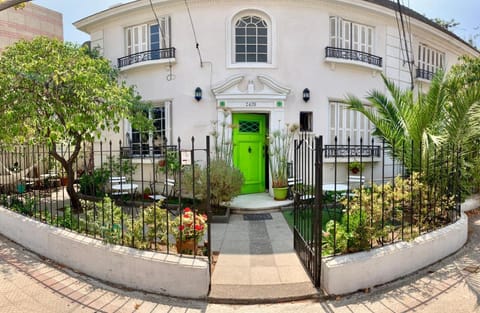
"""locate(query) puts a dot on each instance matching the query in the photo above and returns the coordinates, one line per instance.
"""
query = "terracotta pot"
(188, 246)
(64, 181)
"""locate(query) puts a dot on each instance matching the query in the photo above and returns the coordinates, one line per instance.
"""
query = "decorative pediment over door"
(260, 92)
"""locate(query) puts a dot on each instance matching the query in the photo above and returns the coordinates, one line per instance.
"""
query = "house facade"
(26, 23)
(268, 63)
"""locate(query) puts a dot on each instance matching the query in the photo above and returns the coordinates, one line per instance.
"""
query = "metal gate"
(306, 185)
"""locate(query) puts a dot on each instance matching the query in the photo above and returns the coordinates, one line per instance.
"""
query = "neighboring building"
(269, 62)
(29, 22)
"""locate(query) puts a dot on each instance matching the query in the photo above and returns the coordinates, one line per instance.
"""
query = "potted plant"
(146, 193)
(188, 228)
(279, 146)
(355, 167)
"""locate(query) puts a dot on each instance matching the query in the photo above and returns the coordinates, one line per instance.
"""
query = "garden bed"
(143, 270)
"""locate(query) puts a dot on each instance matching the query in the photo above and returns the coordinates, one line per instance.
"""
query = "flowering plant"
(189, 225)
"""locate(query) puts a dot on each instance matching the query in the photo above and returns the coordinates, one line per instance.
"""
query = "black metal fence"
(137, 202)
(157, 54)
(359, 201)
(353, 55)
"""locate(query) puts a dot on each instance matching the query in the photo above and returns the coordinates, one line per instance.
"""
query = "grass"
(305, 218)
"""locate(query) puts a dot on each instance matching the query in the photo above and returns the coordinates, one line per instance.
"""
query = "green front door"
(248, 150)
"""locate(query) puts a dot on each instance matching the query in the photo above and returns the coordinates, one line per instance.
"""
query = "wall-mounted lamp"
(198, 93)
(306, 94)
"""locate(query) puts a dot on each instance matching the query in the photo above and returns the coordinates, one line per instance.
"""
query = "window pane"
(240, 39)
(262, 49)
(251, 58)
(143, 141)
(306, 121)
(263, 58)
(240, 57)
(252, 31)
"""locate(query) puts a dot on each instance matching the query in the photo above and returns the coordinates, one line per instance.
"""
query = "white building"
(259, 58)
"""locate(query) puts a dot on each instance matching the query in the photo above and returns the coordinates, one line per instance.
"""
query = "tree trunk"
(67, 164)
(74, 198)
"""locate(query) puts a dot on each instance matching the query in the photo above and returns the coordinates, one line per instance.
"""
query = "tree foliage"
(446, 24)
(58, 93)
(447, 115)
(5, 4)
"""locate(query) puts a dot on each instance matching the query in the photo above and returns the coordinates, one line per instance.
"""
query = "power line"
(410, 67)
(197, 45)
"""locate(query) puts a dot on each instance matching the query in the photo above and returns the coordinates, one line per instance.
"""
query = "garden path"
(256, 260)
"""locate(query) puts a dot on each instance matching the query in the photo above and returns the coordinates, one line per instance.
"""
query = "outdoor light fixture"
(198, 93)
(306, 94)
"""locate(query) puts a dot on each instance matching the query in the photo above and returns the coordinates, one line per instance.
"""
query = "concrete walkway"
(257, 262)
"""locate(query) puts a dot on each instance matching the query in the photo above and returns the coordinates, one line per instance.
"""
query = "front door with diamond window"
(249, 150)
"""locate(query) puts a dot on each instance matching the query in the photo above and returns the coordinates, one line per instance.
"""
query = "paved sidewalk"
(29, 284)
(257, 262)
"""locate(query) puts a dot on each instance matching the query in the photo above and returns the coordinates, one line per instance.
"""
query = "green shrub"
(94, 184)
(225, 182)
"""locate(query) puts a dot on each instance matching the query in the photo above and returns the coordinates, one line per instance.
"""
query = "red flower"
(181, 227)
(187, 210)
(198, 227)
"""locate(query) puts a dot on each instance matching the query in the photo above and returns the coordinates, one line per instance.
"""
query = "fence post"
(317, 215)
(209, 214)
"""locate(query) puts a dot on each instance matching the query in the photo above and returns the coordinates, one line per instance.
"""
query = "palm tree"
(413, 126)
(408, 124)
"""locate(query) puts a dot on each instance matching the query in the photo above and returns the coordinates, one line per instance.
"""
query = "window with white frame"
(346, 123)
(152, 142)
(430, 60)
(251, 39)
(346, 34)
(148, 36)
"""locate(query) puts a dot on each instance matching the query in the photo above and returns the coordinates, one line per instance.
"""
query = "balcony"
(343, 151)
(424, 74)
(353, 56)
(165, 55)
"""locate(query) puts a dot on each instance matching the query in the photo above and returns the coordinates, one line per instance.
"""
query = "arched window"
(251, 40)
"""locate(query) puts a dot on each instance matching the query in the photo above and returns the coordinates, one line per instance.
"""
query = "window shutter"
(346, 36)
(333, 31)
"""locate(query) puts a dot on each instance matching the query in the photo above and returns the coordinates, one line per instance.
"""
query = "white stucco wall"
(300, 33)
(352, 272)
(185, 277)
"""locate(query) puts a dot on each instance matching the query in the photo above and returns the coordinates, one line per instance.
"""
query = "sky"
(463, 11)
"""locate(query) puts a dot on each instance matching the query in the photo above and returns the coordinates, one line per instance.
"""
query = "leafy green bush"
(376, 215)
(120, 167)
(225, 182)
(94, 184)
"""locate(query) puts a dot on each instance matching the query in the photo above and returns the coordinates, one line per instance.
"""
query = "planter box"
(222, 219)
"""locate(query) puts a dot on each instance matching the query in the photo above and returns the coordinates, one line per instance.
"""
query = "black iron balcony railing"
(354, 55)
(158, 54)
(340, 151)
(424, 74)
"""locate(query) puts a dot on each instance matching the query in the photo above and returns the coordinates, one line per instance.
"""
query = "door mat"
(257, 217)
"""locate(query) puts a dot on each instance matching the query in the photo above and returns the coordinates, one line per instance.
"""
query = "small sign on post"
(186, 157)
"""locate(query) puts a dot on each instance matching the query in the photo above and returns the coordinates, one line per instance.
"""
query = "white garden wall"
(351, 272)
(185, 277)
